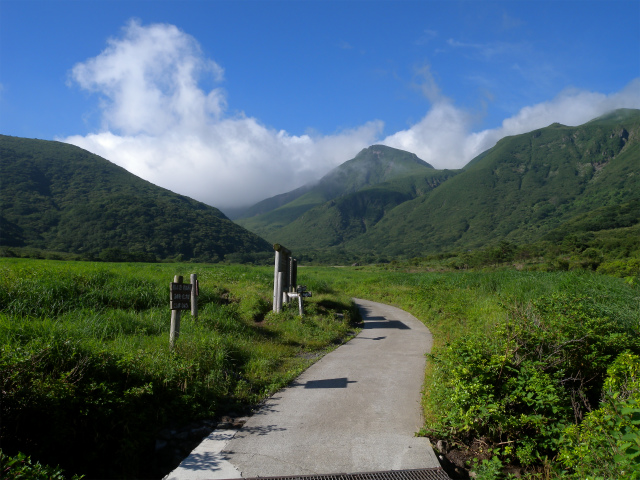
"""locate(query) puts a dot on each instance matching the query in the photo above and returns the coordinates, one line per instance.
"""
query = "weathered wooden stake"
(174, 332)
(280, 277)
(279, 294)
(294, 274)
(194, 295)
(276, 286)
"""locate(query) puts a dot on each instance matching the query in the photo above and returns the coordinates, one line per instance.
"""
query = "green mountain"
(58, 197)
(521, 190)
(541, 185)
(345, 202)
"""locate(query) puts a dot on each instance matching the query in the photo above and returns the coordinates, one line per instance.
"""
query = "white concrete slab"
(207, 460)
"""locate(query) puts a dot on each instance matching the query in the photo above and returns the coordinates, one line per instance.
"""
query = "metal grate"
(421, 474)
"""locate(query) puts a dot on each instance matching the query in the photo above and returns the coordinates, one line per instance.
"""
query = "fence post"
(194, 295)
(276, 286)
(279, 295)
(294, 274)
(174, 332)
(280, 277)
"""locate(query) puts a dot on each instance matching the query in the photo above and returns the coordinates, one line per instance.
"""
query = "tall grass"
(86, 361)
(520, 359)
(87, 375)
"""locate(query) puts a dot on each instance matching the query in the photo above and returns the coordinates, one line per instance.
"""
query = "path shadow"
(328, 383)
(268, 407)
(385, 324)
(260, 431)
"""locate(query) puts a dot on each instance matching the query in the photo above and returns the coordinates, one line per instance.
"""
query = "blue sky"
(258, 97)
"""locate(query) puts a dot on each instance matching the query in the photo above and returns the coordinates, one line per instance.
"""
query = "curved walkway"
(355, 410)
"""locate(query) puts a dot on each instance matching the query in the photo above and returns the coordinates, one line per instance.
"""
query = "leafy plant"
(607, 443)
(21, 466)
(85, 359)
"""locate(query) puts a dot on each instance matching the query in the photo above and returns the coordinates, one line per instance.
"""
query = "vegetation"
(522, 189)
(532, 371)
(527, 186)
(60, 198)
(365, 187)
(86, 373)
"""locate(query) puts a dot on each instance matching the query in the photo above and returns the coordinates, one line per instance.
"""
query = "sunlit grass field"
(86, 364)
(86, 359)
(531, 372)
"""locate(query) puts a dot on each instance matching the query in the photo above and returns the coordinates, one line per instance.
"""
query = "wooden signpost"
(182, 296)
(285, 277)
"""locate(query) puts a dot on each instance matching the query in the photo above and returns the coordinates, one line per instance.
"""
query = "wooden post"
(280, 276)
(294, 274)
(276, 286)
(290, 285)
(194, 295)
(174, 332)
(278, 305)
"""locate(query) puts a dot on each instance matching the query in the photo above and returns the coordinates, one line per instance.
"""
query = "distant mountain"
(521, 190)
(364, 188)
(55, 196)
(529, 187)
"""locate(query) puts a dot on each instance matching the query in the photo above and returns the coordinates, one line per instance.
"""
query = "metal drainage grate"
(421, 474)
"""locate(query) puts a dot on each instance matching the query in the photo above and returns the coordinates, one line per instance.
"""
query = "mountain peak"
(393, 155)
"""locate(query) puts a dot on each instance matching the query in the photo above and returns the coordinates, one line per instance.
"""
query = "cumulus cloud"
(445, 139)
(160, 125)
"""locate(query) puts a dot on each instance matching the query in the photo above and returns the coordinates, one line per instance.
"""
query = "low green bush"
(88, 378)
(21, 467)
(540, 371)
(606, 445)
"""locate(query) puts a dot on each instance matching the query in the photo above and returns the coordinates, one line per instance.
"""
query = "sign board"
(180, 296)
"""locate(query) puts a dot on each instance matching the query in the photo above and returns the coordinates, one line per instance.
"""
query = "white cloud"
(444, 137)
(160, 125)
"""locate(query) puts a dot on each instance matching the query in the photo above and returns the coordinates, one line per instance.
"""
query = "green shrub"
(607, 443)
(85, 358)
(521, 386)
(22, 467)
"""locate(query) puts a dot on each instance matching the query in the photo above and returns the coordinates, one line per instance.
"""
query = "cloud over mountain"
(158, 122)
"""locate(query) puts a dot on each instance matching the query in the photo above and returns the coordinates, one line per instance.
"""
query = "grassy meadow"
(532, 372)
(87, 375)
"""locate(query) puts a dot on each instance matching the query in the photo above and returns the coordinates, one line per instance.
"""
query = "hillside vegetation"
(345, 202)
(530, 188)
(87, 377)
(520, 190)
(58, 197)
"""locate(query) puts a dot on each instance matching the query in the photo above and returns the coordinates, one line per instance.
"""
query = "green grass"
(519, 358)
(86, 359)
(85, 356)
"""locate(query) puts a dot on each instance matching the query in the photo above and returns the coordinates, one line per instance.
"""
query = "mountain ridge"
(372, 166)
(59, 197)
(519, 190)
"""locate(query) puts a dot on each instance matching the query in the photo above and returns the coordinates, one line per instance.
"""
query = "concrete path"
(355, 410)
